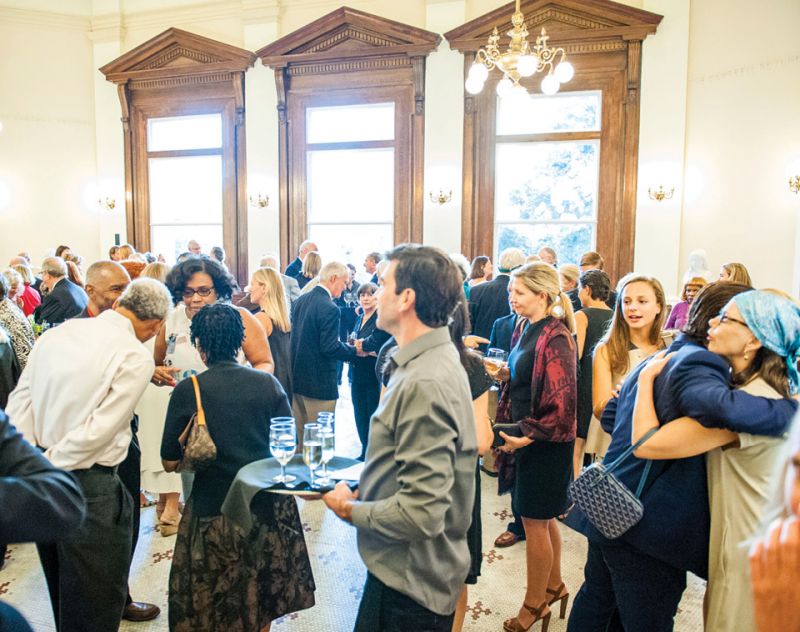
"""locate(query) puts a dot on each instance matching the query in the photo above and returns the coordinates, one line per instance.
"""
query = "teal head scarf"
(775, 321)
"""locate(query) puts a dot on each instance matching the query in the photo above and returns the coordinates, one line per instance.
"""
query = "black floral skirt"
(223, 579)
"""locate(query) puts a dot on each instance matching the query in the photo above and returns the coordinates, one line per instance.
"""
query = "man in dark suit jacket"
(296, 267)
(316, 347)
(652, 557)
(489, 301)
(64, 300)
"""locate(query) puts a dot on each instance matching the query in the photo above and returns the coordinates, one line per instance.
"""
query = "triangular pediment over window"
(577, 25)
(348, 33)
(175, 53)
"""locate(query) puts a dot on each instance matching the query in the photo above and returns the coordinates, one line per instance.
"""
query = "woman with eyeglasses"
(758, 333)
(195, 283)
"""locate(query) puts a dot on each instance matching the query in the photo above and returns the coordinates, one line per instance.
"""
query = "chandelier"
(520, 60)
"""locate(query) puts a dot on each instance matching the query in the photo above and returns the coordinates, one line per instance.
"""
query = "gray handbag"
(608, 504)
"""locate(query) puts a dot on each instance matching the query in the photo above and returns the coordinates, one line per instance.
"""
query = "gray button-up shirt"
(418, 486)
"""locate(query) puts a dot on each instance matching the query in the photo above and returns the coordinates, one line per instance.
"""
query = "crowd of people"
(692, 403)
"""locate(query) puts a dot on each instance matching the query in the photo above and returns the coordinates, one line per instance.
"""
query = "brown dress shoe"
(506, 539)
(140, 611)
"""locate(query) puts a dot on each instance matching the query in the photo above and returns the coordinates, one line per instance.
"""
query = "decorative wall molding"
(354, 65)
(174, 82)
(44, 19)
(173, 53)
(348, 33)
(569, 19)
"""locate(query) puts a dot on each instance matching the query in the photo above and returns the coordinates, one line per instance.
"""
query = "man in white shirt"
(75, 400)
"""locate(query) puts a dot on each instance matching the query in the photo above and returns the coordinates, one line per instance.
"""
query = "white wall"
(47, 145)
(720, 88)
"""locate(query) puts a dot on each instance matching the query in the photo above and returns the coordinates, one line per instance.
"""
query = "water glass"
(328, 435)
(282, 445)
(312, 447)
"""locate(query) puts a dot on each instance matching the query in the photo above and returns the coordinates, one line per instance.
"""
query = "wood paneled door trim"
(603, 41)
(350, 57)
(178, 73)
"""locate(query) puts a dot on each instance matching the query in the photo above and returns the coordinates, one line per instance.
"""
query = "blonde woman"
(634, 334)
(311, 267)
(266, 291)
(540, 395)
(735, 273)
(125, 252)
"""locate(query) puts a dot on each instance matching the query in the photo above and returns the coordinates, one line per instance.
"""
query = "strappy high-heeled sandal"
(560, 594)
(513, 625)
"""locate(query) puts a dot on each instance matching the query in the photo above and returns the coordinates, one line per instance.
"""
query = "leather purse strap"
(201, 416)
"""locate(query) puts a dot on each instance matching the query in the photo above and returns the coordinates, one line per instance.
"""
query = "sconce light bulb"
(550, 85)
(479, 72)
(526, 65)
(565, 71)
(504, 86)
(473, 85)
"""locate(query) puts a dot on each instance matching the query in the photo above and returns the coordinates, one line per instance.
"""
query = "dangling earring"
(746, 355)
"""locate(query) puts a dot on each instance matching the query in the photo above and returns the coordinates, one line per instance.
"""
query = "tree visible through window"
(546, 188)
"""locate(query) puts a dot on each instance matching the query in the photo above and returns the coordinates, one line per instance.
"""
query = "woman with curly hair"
(222, 577)
(195, 283)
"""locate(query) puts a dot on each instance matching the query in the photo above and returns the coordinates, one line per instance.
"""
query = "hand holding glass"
(282, 445)
(495, 360)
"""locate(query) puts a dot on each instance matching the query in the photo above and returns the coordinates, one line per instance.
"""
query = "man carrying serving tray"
(417, 487)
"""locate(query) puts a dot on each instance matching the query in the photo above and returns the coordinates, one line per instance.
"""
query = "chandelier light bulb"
(550, 85)
(479, 72)
(526, 65)
(504, 86)
(565, 71)
(473, 85)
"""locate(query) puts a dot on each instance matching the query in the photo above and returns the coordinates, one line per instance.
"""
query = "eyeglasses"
(202, 291)
(724, 318)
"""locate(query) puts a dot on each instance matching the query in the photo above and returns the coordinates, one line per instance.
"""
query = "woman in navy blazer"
(365, 390)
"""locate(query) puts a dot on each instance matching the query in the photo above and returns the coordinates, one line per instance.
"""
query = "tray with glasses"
(299, 475)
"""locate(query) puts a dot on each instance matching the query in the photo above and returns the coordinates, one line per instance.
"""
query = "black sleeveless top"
(520, 363)
(279, 344)
(597, 324)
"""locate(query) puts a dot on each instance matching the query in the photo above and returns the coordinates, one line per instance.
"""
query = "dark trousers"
(130, 473)
(643, 591)
(365, 402)
(383, 609)
(87, 572)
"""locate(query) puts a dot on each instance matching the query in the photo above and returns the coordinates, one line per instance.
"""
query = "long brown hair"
(617, 341)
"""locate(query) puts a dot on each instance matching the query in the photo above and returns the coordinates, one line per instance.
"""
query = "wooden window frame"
(209, 81)
(603, 42)
(350, 57)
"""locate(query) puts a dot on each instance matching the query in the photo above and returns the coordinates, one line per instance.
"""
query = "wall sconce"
(107, 203)
(659, 195)
(794, 184)
(441, 197)
(259, 201)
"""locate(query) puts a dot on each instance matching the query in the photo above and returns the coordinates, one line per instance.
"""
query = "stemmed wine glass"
(282, 445)
(495, 360)
(328, 436)
(312, 448)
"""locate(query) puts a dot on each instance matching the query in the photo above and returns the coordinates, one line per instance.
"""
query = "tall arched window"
(560, 170)
(351, 94)
(183, 118)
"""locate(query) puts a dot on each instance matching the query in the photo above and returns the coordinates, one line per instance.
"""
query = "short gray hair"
(333, 268)
(510, 259)
(147, 299)
(270, 260)
(54, 266)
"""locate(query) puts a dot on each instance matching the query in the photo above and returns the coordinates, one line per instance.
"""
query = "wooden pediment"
(350, 33)
(572, 23)
(176, 53)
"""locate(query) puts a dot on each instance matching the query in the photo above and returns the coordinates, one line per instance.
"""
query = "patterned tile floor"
(338, 571)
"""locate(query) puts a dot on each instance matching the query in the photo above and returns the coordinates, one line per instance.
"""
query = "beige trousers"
(306, 409)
